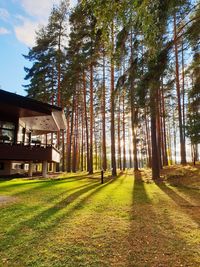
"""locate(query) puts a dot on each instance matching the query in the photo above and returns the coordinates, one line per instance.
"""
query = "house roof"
(37, 116)
(26, 103)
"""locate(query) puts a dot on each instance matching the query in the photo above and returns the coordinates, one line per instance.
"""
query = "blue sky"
(18, 21)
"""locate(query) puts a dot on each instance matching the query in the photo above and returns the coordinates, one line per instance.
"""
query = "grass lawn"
(127, 221)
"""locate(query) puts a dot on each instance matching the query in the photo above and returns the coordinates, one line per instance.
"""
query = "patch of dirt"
(186, 176)
(176, 175)
(6, 200)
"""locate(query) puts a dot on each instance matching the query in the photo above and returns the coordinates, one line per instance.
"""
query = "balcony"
(23, 152)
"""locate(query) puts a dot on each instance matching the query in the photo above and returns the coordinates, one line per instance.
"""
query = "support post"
(44, 169)
(30, 169)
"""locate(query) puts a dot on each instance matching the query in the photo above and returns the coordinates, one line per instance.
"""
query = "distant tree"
(193, 122)
(42, 74)
(48, 58)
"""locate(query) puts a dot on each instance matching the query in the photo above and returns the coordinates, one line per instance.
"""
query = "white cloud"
(38, 8)
(25, 32)
(73, 3)
(4, 31)
(37, 12)
(4, 15)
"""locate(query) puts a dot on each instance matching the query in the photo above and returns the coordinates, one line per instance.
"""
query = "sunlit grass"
(74, 220)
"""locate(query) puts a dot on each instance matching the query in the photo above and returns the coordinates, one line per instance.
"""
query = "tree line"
(127, 74)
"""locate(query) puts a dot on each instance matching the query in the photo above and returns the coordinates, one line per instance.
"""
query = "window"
(20, 137)
(1, 166)
(7, 132)
(7, 125)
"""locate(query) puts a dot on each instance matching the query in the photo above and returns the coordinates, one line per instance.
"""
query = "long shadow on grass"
(141, 212)
(47, 186)
(32, 186)
(24, 188)
(53, 181)
(192, 193)
(139, 192)
(150, 237)
(185, 205)
(18, 211)
(53, 215)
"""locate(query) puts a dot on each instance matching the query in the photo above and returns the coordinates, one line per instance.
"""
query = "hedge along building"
(28, 133)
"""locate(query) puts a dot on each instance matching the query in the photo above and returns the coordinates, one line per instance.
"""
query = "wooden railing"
(29, 152)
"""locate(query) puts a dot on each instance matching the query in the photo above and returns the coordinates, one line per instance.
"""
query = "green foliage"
(84, 45)
(46, 57)
(193, 124)
(193, 31)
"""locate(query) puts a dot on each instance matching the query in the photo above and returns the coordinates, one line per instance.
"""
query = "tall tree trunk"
(174, 133)
(182, 143)
(63, 151)
(77, 163)
(165, 157)
(148, 139)
(58, 94)
(130, 154)
(158, 129)
(70, 139)
(82, 138)
(67, 141)
(169, 130)
(124, 131)
(86, 121)
(194, 154)
(134, 136)
(74, 158)
(161, 131)
(183, 89)
(112, 108)
(134, 112)
(155, 159)
(91, 119)
(59, 71)
(96, 152)
(103, 112)
(119, 138)
(154, 145)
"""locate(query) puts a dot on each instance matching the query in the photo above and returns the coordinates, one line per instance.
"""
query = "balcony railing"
(28, 152)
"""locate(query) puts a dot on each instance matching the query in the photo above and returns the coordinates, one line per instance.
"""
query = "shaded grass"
(76, 221)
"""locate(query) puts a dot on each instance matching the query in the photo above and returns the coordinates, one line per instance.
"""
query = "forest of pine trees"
(127, 74)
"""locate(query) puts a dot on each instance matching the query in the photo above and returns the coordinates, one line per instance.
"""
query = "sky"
(19, 19)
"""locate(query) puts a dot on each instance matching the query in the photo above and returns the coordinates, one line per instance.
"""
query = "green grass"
(76, 221)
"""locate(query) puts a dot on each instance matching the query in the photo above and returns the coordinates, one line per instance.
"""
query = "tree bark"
(91, 119)
(112, 108)
(63, 151)
(70, 139)
(134, 111)
(86, 121)
(154, 144)
(103, 112)
(74, 144)
(82, 138)
(183, 90)
(119, 138)
(158, 129)
(182, 143)
(165, 157)
(148, 139)
(124, 131)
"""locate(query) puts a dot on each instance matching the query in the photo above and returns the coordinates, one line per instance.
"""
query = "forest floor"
(127, 221)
